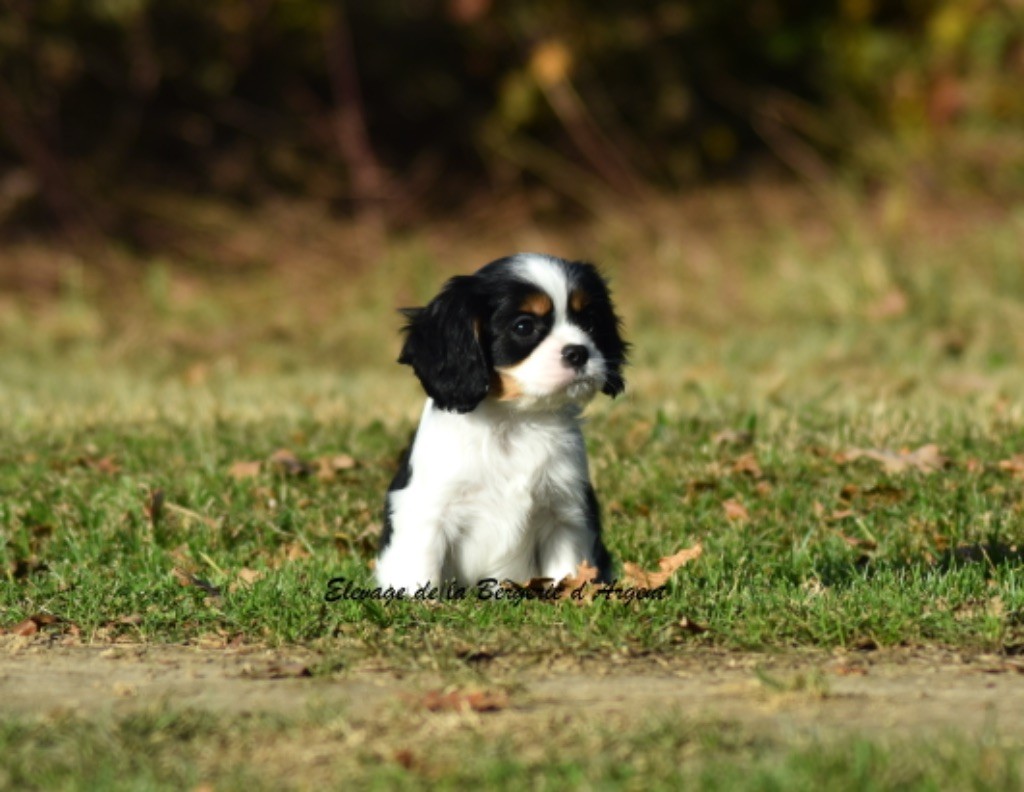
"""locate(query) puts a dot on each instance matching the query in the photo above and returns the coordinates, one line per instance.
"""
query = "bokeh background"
(115, 112)
(202, 189)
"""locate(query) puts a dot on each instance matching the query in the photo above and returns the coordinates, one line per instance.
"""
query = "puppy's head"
(534, 331)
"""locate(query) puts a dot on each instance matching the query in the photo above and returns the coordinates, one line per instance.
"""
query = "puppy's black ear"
(442, 344)
(606, 327)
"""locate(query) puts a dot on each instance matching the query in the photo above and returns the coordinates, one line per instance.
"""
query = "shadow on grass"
(991, 556)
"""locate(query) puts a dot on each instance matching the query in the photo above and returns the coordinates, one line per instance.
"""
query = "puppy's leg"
(575, 537)
(416, 545)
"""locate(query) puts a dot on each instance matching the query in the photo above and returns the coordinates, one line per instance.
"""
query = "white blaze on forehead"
(548, 275)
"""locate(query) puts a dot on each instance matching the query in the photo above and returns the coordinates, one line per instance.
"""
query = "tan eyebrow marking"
(578, 300)
(536, 303)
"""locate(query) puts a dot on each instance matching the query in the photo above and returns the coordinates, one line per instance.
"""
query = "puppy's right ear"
(442, 344)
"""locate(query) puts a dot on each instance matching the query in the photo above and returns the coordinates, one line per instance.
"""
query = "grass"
(767, 347)
(188, 749)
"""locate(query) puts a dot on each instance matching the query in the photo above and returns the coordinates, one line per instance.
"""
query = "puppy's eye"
(524, 326)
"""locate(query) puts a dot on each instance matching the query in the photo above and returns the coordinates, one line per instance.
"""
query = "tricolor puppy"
(495, 483)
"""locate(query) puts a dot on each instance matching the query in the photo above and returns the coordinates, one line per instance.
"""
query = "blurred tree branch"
(40, 156)
(368, 179)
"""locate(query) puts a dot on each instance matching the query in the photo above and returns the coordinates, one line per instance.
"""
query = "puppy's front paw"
(399, 573)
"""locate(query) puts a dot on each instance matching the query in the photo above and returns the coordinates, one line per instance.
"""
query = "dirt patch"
(896, 691)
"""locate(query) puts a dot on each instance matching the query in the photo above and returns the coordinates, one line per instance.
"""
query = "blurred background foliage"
(400, 108)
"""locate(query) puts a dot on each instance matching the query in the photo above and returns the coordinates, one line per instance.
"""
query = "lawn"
(824, 396)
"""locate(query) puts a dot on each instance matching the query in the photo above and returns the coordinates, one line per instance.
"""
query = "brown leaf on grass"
(732, 437)
(853, 541)
(975, 465)
(734, 510)
(585, 573)
(294, 552)
(1014, 465)
(288, 463)
(106, 465)
(465, 701)
(33, 623)
(328, 467)
(581, 581)
(244, 470)
(926, 459)
(190, 514)
(544, 589)
(244, 578)
(636, 576)
(249, 576)
(748, 464)
(881, 495)
(890, 305)
(101, 464)
(405, 758)
(196, 374)
(25, 628)
(849, 670)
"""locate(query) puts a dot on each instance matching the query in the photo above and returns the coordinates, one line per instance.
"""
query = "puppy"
(495, 483)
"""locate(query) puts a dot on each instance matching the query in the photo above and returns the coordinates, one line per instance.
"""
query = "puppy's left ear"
(442, 344)
(615, 351)
(606, 327)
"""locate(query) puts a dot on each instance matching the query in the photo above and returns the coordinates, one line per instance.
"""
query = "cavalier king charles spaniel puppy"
(495, 483)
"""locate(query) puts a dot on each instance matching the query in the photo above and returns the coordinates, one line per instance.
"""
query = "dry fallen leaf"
(463, 701)
(106, 465)
(288, 463)
(636, 576)
(849, 670)
(881, 495)
(853, 541)
(926, 459)
(732, 437)
(1014, 465)
(328, 467)
(25, 628)
(31, 625)
(244, 470)
(734, 510)
(889, 306)
(244, 578)
(585, 573)
(748, 464)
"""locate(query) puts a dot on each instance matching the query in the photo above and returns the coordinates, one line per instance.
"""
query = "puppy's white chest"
(512, 487)
(507, 477)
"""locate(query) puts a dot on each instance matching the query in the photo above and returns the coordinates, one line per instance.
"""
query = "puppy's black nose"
(575, 355)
